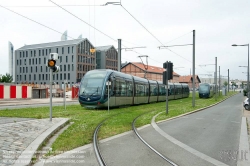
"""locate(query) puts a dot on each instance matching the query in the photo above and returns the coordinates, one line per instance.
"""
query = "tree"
(225, 83)
(6, 78)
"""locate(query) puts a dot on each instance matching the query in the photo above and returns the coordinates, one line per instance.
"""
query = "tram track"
(148, 145)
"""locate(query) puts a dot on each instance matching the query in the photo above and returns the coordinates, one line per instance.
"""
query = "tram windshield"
(204, 88)
(92, 83)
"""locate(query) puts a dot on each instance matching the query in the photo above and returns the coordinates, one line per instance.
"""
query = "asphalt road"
(214, 131)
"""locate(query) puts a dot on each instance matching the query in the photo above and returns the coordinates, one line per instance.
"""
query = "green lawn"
(85, 121)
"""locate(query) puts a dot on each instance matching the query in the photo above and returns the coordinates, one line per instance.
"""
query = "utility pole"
(193, 101)
(219, 80)
(216, 86)
(119, 55)
(228, 80)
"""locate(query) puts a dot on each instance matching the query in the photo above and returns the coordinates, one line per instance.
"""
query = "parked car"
(246, 104)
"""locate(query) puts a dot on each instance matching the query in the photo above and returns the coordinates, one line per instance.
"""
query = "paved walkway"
(20, 138)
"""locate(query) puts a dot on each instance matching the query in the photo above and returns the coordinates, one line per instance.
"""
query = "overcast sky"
(218, 25)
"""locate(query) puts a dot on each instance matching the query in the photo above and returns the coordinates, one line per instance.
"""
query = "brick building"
(152, 72)
(188, 80)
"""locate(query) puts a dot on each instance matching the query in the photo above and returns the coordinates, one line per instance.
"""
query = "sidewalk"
(34, 101)
(20, 140)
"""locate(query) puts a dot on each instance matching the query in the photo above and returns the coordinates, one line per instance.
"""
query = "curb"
(26, 156)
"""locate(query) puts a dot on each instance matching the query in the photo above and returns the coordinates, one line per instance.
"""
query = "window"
(20, 54)
(72, 49)
(49, 51)
(36, 61)
(23, 54)
(44, 60)
(26, 53)
(29, 61)
(39, 54)
(46, 52)
(36, 69)
(20, 70)
(60, 59)
(16, 62)
(46, 69)
(46, 76)
(68, 67)
(31, 69)
(72, 58)
(56, 76)
(42, 76)
(26, 69)
(39, 60)
(17, 78)
(68, 76)
(24, 61)
(43, 52)
(72, 67)
(34, 52)
(64, 76)
(34, 76)
(29, 77)
(20, 62)
(61, 76)
(64, 67)
(23, 70)
(20, 77)
(66, 59)
(39, 76)
(68, 50)
(61, 69)
(56, 50)
(41, 69)
(31, 53)
(62, 50)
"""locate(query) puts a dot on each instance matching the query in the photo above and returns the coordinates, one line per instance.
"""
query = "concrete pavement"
(21, 138)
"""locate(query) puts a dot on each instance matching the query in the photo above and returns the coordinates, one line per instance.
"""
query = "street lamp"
(247, 68)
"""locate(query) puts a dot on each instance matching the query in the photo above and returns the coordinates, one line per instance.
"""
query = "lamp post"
(193, 65)
(247, 68)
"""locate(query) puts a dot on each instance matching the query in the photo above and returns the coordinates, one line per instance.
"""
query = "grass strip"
(84, 121)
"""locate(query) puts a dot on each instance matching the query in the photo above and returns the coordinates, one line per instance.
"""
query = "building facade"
(189, 80)
(74, 61)
(106, 57)
(152, 72)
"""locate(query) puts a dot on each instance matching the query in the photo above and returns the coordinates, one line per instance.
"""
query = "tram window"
(140, 90)
(129, 89)
(153, 90)
(120, 88)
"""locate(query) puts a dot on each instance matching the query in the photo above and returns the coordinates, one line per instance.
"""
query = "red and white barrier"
(15, 92)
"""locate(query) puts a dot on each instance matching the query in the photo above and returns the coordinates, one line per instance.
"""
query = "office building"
(75, 60)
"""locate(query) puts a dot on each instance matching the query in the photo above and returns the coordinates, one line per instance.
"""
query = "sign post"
(108, 84)
(65, 81)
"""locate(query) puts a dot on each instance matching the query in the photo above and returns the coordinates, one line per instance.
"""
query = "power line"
(83, 20)
(179, 37)
(34, 21)
(142, 25)
(52, 6)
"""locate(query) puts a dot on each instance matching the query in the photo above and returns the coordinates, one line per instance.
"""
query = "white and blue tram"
(124, 90)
